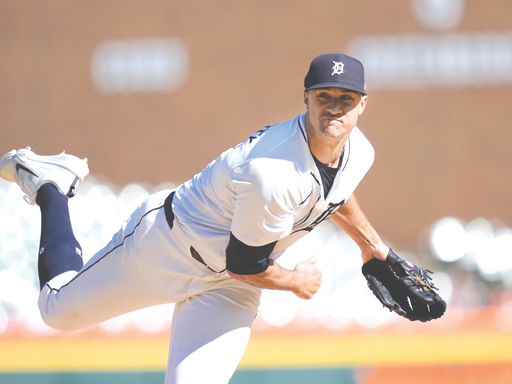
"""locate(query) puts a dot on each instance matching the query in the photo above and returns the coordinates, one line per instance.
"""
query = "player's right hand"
(308, 277)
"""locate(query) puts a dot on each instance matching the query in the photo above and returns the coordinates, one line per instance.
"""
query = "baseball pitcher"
(213, 243)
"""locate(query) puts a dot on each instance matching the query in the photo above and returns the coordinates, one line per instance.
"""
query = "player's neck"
(327, 155)
(327, 151)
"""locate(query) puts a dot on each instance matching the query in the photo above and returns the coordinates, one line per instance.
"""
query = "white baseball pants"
(147, 263)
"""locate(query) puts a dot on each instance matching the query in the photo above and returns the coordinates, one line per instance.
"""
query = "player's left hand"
(404, 288)
(309, 278)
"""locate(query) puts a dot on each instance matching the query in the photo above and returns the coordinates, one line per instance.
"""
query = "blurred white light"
(427, 60)
(438, 14)
(368, 311)
(479, 231)
(20, 295)
(116, 324)
(278, 308)
(154, 319)
(131, 197)
(497, 258)
(139, 65)
(164, 186)
(448, 239)
(480, 237)
(335, 315)
(507, 278)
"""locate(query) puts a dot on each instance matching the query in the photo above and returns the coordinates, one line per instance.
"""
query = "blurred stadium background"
(152, 91)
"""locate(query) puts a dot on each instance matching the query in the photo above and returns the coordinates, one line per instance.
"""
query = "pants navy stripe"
(109, 252)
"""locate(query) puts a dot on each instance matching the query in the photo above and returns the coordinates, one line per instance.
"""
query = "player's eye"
(323, 98)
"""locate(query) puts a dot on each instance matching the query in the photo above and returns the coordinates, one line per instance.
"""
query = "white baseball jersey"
(265, 189)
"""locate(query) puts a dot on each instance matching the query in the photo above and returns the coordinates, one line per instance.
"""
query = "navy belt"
(169, 216)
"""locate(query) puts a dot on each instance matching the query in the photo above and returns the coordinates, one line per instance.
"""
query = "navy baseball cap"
(335, 70)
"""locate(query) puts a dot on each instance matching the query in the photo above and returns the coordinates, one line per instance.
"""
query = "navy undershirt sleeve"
(244, 259)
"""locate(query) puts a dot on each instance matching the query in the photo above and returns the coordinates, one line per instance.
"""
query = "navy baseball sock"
(59, 251)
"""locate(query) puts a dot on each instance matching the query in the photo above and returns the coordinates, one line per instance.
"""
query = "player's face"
(333, 112)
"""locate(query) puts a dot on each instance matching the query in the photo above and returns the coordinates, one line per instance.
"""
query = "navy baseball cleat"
(30, 171)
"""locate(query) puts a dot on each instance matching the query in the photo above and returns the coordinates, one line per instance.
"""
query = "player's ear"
(306, 99)
(362, 104)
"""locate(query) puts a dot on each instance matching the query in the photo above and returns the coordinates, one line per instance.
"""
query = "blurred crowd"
(471, 262)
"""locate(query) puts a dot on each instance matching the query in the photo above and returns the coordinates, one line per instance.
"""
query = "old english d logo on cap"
(335, 70)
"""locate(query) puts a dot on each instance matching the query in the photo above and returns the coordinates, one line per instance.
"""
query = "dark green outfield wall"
(245, 376)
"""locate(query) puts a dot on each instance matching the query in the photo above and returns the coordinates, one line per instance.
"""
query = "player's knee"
(62, 321)
(56, 315)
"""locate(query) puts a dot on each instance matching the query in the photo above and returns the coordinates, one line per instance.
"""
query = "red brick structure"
(441, 150)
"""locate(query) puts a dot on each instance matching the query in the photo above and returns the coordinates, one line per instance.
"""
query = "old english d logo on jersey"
(323, 216)
(337, 68)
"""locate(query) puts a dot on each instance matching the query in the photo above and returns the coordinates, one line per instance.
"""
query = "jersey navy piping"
(108, 253)
(307, 197)
(348, 155)
(307, 216)
(314, 177)
(302, 128)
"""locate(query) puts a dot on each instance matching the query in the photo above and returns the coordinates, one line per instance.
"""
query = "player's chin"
(334, 130)
(332, 124)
